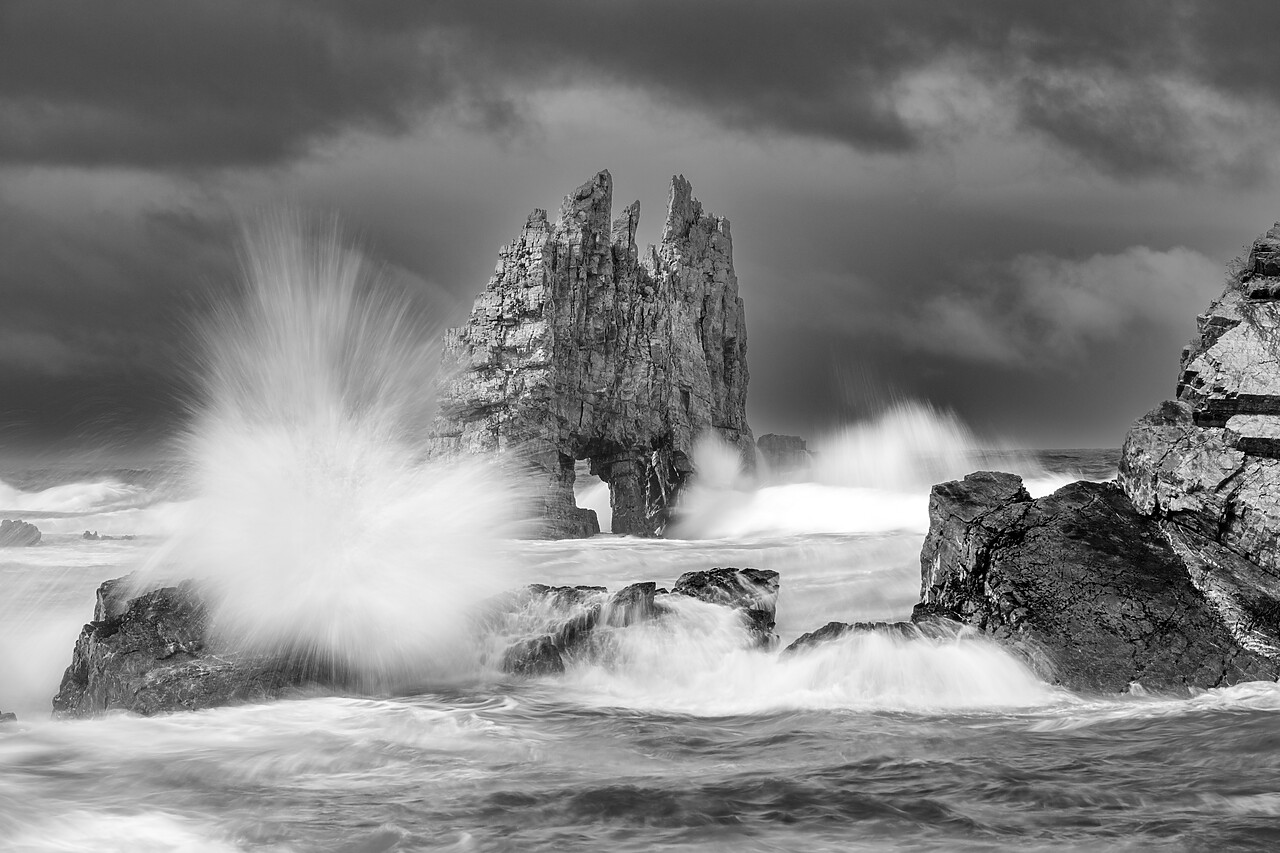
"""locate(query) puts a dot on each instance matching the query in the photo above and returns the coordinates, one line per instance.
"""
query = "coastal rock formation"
(785, 457)
(583, 346)
(574, 622)
(1091, 590)
(1207, 465)
(149, 653)
(1169, 578)
(15, 534)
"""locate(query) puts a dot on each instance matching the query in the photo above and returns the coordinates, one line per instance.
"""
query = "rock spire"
(582, 346)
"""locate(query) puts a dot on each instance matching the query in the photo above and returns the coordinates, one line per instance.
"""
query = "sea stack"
(1170, 577)
(582, 346)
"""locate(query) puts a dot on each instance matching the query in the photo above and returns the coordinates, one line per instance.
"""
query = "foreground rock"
(585, 347)
(578, 619)
(151, 653)
(15, 534)
(1087, 587)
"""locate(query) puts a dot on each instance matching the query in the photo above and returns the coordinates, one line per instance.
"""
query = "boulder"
(14, 534)
(583, 346)
(8, 717)
(1087, 587)
(150, 653)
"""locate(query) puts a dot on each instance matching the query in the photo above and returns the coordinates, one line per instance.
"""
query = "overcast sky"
(1012, 209)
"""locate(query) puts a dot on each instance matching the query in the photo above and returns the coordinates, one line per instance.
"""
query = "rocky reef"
(152, 651)
(17, 534)
(1168, 579)
(583, 346)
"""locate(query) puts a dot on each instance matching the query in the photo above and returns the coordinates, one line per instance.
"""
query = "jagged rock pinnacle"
(580, 348)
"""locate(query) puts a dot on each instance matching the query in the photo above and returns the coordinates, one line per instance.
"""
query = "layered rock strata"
(583, 346)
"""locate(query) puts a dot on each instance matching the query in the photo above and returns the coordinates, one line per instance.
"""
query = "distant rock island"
(1168, 579)
(584, 346)
(18, 534)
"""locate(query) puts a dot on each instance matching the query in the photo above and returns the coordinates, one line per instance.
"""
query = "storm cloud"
(1133, 89)
(1011, 209)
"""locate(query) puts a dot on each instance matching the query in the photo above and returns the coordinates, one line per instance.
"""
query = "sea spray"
(871, 476)
(320, 524)
(697, 659)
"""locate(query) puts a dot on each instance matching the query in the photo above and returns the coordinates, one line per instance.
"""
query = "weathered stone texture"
(584, 347)
(1081, 582)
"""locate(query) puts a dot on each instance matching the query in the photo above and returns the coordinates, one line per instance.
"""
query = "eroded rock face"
(582, 346)
(16, 534)
(1086, 586)
(1207, 466)
(150, 653)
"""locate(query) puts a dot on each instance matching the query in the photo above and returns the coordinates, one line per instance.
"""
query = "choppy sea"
(681, 741)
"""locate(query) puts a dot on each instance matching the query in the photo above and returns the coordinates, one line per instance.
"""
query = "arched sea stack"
(584, 347)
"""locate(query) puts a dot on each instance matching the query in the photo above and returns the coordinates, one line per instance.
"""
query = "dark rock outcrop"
(584, 347)
(1079, 580)
(15, 534)
(785, 457)
(752, 592)
(150, 653)
(8, 717)
(570, 623)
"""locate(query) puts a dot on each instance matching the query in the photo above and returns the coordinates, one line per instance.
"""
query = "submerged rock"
(15, 534)
(8, 717)
(150, 653)
(582, 346)
(574, 622)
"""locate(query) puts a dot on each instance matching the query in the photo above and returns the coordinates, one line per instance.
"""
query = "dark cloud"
(1138, 88)
(212, 82)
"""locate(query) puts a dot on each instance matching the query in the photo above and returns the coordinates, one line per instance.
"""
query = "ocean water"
(682, 741)
(302, 494)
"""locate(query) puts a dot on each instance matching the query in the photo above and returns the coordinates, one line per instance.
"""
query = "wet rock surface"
(149, 653)
(18, 534)
(584, 346)
(1171, 577)
(579, 617)
(1078, 580)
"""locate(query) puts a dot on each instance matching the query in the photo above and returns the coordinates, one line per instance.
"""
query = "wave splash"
(868, 477)
(697, 661)
(319, 521)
